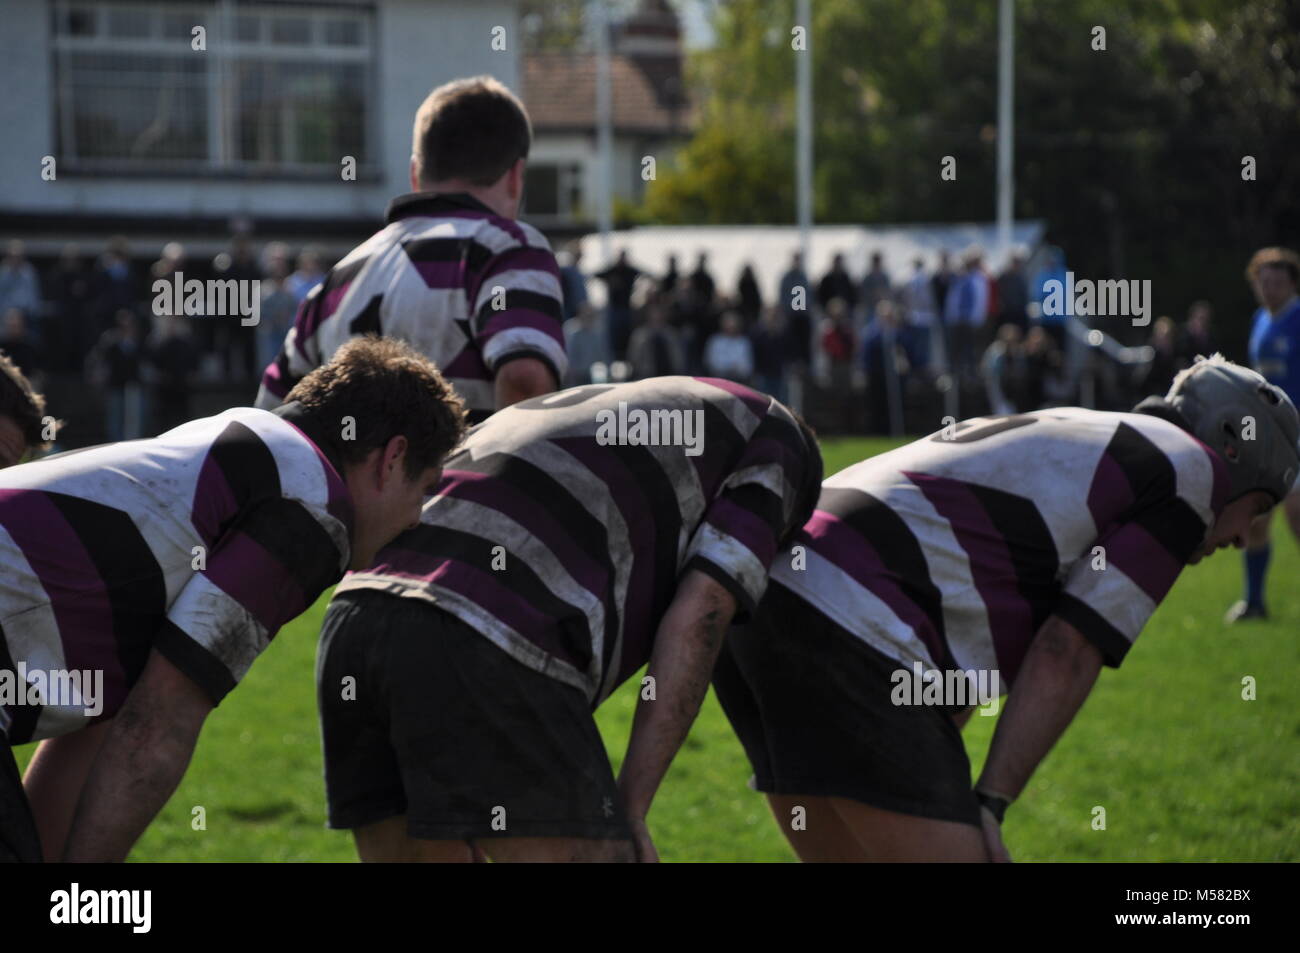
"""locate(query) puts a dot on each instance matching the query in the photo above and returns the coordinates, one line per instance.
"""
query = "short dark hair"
(472, 129)
(389, 389)
(21, 404)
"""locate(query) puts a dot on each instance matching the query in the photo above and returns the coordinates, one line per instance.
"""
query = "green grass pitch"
(1185, 768)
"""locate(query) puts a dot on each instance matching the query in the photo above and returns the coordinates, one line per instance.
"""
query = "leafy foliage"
(1132, 154)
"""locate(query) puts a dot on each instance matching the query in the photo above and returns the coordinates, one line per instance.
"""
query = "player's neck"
(494, 196)
(1285, 306)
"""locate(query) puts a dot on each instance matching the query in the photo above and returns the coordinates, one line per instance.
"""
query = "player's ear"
(415, 176)
(392, 464)
(515, 179)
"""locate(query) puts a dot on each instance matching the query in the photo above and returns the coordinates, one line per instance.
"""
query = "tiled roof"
(559, 90)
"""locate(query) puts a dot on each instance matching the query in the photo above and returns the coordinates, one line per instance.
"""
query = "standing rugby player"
(574, 538)
(1034, 547)
(1275, 352)
(141, 579)
(452, 274)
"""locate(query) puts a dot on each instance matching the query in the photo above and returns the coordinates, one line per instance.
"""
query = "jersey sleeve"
(1258, 325)
(754, 510)
(1114, 588)
(518, 309)
(269, 567)
(299, 354)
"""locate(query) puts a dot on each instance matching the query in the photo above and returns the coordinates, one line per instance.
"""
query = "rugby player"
(1275, 352)
(22, 415)
(573, 539)
(1034, 546)
(452, 273)
(157, 570)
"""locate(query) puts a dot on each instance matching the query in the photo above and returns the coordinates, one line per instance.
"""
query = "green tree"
(1132, 155)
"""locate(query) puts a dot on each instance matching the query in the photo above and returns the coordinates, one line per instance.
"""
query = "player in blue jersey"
(1274, 273)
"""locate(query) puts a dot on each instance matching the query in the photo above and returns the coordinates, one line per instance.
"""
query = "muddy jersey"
(200, 543)
(953, 550)
(562, 526)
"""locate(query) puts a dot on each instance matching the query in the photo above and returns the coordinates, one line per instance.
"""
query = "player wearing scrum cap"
(1035, 546)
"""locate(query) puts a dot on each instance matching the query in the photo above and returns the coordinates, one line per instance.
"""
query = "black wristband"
(996, 804)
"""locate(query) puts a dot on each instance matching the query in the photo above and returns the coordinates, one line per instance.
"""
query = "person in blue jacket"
(1274, 274)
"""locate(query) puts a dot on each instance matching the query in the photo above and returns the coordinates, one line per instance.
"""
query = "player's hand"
(645, 847)
(993, 837)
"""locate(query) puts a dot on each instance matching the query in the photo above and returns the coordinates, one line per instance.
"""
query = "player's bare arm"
(1059, 671)
(686, 646)
(142, 760)
(521, 379)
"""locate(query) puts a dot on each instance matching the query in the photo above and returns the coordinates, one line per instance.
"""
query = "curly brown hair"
(388, 389)
(20, 403)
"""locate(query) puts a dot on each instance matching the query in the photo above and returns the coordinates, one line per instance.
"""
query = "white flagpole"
(1006, 119)
(803, 138)
(604, 134)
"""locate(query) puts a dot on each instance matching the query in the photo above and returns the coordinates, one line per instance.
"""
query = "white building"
(161, 140)
(651, 117)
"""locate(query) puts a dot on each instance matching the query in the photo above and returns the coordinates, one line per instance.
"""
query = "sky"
(695, 23)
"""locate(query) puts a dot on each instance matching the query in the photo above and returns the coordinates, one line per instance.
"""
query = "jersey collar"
(1159, 407)
(1286, 309)
(432, 204)
(339, 502)
(314, 430)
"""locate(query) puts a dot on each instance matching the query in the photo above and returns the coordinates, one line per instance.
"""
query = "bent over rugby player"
(1033, 546)
(574, 538)
(158, 570)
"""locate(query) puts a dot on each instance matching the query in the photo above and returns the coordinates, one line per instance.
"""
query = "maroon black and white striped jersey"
(563, 525)
(468, 289)
(953, 550)
(200, 542)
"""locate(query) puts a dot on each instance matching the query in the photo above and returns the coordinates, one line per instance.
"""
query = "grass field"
(1185, 769)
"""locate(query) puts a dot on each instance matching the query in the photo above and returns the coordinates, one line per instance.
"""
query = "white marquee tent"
(769, 247)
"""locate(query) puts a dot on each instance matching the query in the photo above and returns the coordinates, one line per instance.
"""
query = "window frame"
(570, 176)
(222, 87)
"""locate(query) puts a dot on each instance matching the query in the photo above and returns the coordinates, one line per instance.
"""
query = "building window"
(277, 88)
(552, 189)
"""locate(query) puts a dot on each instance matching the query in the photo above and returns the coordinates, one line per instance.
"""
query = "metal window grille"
(278, 88)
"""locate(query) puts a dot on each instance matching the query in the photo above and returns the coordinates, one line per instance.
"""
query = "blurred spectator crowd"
(92, 320)
(872, 353)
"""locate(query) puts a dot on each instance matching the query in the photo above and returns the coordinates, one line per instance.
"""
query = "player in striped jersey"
(141, 579)
(574, 538)
(1032, 548)
(452, 273)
